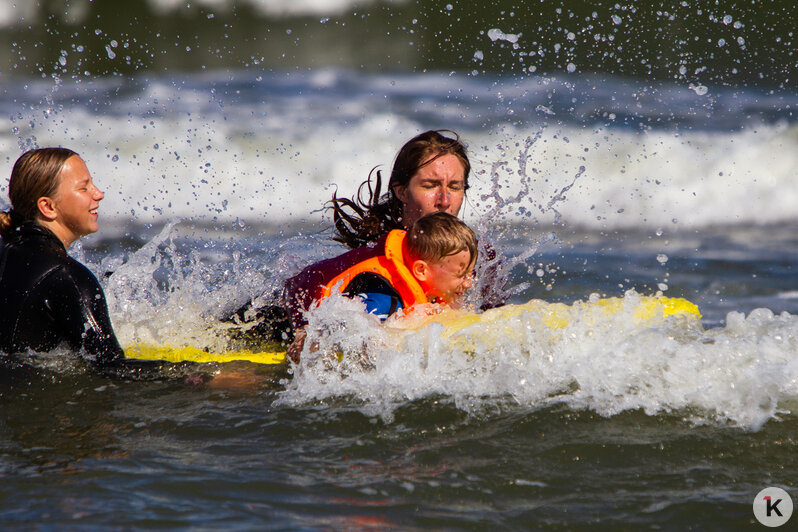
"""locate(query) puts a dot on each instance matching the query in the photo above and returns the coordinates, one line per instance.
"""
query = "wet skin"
(438, 186)
(447, 279)
(72, 211)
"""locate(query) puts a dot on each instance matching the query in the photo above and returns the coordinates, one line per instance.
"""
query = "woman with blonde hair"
(47, 298)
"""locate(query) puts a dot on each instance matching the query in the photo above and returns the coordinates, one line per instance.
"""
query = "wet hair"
(438, 235)
(369, 215)
(35, 175)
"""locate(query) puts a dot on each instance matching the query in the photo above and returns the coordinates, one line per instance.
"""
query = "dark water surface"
(85, 451)
(80, 451)
(737, 44)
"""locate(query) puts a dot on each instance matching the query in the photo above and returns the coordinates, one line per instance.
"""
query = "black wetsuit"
(48, 299)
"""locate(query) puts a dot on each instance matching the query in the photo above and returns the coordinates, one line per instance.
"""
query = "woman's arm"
(79, 307)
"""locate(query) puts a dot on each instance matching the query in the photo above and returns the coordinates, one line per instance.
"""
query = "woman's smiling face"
(76, 201)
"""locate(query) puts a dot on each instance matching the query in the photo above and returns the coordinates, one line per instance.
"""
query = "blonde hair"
(439, 235)
(35, 175)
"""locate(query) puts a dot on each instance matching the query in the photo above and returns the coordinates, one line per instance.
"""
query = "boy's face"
(449, 278)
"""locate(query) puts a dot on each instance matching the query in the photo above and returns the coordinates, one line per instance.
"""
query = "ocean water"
(616, 153)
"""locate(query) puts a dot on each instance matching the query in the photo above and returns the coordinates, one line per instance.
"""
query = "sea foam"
(743, 374)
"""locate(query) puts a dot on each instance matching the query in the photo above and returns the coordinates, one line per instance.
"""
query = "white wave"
(744, 374)
(194, 151)
(654, 179)
(15, 12)
(269, 8)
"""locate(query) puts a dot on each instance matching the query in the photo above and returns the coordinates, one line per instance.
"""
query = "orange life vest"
(391, 266)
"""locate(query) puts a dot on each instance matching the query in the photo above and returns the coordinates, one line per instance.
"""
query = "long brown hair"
(35, 175)
(367, 216)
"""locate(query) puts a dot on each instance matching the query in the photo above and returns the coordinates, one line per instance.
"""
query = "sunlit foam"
(742, 374)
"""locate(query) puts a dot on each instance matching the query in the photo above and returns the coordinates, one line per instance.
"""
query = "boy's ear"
(420, 269)
(47, 208)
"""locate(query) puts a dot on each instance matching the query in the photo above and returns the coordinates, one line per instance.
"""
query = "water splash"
(513, 195)
(158, 296)
(744, 374)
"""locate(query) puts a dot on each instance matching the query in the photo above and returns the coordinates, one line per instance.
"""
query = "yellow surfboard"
(195, 354)
(560, 315)
(552, 315)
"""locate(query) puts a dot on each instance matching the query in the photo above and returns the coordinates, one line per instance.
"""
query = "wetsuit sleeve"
(380, 297)
(78, 304)
(300, 291)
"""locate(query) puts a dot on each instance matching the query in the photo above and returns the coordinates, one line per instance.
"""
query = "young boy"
(433, 262)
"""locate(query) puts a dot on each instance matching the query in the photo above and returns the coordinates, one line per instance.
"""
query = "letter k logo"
(772, 507)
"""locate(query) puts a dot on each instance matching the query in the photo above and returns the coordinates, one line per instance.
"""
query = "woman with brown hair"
(430, 174)
(47, 298)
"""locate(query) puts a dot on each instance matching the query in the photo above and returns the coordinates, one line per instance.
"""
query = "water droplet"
(662, 258)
